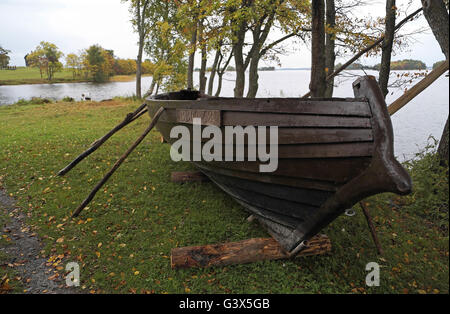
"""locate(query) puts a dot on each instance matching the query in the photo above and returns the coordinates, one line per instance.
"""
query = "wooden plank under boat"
(332, 154)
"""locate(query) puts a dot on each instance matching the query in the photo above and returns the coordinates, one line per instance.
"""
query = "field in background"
(24, 75)
(122, 241)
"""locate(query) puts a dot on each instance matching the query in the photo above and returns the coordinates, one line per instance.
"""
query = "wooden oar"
(94, 146)
(118, 163)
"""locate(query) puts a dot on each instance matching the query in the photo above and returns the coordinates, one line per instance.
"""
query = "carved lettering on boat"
(209, 117)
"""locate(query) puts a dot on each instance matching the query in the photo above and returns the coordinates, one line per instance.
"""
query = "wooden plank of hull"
(267, 178)
(326, 150)
(292, 120)
(299, 195)
(287, 135)
(338, 107)
(339, 150)
(339, 170)
(285, 220)
(233, 118)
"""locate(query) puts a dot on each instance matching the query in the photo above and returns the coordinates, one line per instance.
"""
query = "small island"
(401, 65)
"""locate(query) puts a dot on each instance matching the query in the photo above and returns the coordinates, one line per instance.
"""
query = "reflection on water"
(97, 91)
(422, 117)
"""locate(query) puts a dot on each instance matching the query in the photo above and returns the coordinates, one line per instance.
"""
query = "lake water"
(422, 117)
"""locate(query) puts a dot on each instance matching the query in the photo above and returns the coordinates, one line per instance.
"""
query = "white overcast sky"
(76, 24)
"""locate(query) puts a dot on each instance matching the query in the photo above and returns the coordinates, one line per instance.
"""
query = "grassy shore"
(25, 75)
(123, 239)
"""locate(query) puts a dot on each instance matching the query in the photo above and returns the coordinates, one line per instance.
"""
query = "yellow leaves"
(122, 245)
(420, 291)
(46, 190)
(99, 245)
(136, 272)
(187, 290)
(98, 254)
(4, 285)
(60, 240)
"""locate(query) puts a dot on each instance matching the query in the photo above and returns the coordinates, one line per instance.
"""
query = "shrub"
(431, 187)
(68, 99)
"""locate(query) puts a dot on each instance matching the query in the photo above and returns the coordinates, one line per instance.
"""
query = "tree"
(436, 14)
(46, 57)
(35, 59)
(165, 47)
(138, 9)
(385, 66)
(99, 63)
(73, 63)
(330, 45)
(318, 74)
(4, 58)
(259, 18)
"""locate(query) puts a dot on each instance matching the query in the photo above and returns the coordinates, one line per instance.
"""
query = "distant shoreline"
(116, 78)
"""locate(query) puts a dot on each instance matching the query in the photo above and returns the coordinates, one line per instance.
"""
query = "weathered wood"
(373, 232)
(311, 189)
(327, 106)
(130, 117)
(344, 169)
(292, 120)
(418, 88)
(257, 177)
(287, 135)
(247, 251)
(118, 163)
(188, 176)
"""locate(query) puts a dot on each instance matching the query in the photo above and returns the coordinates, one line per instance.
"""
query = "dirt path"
(24, 252)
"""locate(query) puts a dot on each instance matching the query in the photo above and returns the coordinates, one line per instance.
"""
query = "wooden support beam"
(94, 191)
(373, 232)
(188, 176)
(418, 88)
(132, 116)
(247, 251)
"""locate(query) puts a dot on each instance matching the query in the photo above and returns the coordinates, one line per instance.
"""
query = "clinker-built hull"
(332, 153)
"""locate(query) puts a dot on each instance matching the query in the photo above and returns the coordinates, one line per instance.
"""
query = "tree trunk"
(443, 145)
(240, 69)
(385, 66)
(437, 16)
(202, 76)
(253, 76)
(202, 72)
(139, 66)
(330, 54)
(150, 90)
(219, 84)
(246, 251)
(190, 74)
(318, 75)
(213, 72)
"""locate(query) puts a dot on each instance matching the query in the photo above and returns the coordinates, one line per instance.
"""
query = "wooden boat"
(332, 154)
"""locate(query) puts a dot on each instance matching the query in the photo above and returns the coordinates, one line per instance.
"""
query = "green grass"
(123, 240)
(24, 75)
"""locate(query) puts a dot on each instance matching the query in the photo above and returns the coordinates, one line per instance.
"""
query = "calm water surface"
(424, 116)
